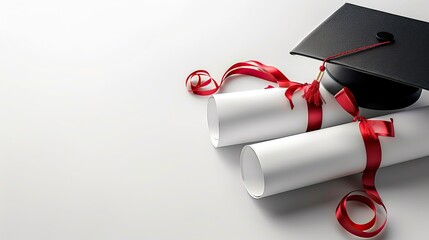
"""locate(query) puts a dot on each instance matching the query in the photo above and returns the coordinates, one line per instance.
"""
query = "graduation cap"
(387, 77)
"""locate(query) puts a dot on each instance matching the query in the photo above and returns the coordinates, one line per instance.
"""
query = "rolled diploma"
(257, 115)
(288, 163)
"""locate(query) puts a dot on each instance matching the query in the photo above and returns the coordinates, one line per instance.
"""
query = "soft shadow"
(231, 154)
(404, 174)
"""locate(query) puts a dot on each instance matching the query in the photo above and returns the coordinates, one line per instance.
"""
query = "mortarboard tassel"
(312, 94)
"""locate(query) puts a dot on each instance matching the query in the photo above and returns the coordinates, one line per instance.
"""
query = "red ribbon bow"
(257, 69)
(370, 130)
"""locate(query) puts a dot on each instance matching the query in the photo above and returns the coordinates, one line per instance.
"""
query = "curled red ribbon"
(259, 70)
(370, 131)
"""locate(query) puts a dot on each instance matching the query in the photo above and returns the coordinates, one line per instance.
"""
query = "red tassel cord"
(312, 93)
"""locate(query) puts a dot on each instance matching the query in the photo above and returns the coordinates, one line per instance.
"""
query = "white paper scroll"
(288, 163)
(251, 116)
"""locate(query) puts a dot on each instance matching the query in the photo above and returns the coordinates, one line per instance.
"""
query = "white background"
(100, 140)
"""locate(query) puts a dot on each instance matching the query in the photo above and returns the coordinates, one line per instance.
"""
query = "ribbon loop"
(348, 102)
(259, 70)
(291, 91)
(250, 68)
(370, 131)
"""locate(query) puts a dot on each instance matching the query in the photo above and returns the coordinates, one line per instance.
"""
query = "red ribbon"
(257, 69)
(370, 130)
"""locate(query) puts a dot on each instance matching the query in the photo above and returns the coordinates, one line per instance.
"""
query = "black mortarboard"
(387, 77)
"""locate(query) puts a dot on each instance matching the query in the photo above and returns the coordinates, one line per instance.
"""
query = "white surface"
(284, 164)
(100, 140)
